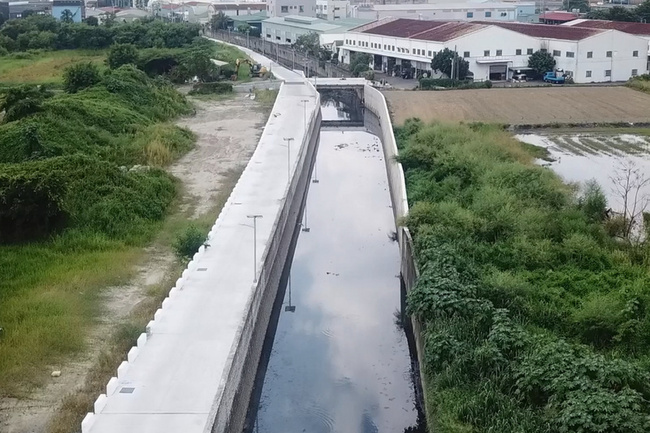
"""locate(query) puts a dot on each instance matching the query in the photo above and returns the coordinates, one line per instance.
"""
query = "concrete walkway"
(175, 377)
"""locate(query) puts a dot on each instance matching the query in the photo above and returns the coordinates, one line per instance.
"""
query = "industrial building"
(333, 10)
(16, 9)
(495, 50)
(285, 30)
(458, 11)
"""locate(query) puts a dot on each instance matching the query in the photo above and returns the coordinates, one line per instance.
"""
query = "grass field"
(45, 67)
(523, 105)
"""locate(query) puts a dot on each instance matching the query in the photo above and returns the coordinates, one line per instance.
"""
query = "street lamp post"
(288, 140)
(254, 218)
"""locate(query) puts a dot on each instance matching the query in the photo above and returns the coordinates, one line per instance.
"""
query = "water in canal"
(339, 361)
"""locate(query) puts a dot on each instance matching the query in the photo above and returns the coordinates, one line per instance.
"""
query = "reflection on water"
(582, 157)
(339, 363)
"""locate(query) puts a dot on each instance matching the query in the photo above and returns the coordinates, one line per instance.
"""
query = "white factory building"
(495, 49)
(458, 11)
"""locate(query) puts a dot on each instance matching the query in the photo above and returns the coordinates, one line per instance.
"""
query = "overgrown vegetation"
(642, 83)
(447, 83)
(449, 63)
(640, 13)
(80, 180)
(535, 319)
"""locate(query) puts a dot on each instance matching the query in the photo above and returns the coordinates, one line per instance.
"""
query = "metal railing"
(283, 54)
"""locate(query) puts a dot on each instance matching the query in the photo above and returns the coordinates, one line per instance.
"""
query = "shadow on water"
(334, 359)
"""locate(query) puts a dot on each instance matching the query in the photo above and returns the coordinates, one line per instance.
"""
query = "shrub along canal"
(340, 359)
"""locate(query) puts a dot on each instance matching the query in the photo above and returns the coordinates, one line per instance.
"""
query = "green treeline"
(44, 32)
(536, 319)
(67, 160)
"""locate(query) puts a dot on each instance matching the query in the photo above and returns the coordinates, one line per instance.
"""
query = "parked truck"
(553, 77)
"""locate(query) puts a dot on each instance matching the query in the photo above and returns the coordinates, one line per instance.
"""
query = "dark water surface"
(339, 361)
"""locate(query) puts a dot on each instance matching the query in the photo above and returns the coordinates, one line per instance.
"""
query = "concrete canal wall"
(376, 103)
(194, 368)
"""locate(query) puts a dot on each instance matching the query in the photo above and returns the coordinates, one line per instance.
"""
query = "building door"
(498, 72)
(377, 62)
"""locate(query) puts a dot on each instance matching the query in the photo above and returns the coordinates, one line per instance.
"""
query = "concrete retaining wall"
(232, 404)
(376, 103)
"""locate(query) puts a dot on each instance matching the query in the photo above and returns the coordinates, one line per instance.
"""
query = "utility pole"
(289, 140)
(254, 218)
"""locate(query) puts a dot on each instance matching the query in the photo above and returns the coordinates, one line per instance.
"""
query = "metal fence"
(284, 55)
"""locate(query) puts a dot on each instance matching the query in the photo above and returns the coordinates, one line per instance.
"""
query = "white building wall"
(280, 8)
(285, 35)
(426, 12)
(622, 62)
(333, 10)
(515, 49)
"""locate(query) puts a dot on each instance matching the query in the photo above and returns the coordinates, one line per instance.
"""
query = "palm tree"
(67, 16)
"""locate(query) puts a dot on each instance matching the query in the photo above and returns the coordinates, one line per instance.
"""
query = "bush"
(189, 242)
(80, 76)
(216, 88)
(121, 54)
(516, 271)
(433, 83)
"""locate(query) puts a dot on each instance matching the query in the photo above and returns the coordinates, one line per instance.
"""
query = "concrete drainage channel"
(195, 367)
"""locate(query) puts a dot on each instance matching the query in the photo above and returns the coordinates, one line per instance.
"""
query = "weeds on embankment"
(80, 194)
(536, 319)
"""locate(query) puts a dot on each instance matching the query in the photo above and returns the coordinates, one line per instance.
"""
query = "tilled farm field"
(523, 106)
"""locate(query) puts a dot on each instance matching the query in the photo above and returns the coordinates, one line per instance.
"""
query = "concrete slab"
(173, 382)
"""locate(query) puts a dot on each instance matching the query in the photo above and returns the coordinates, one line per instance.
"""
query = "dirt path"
(540, 105)
(227, 133)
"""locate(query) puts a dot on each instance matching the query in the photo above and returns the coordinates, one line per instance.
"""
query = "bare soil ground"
(541, 105)
(227, 134)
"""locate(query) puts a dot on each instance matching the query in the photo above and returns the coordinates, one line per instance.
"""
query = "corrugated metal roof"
(548, 31)
(642, 29)
(443, 31)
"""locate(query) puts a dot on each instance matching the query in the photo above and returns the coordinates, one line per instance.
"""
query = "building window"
(517, 52)
(543, 50)
(590, 54)
(288, 40)
(503, 14)
(278, 38)
(466, 54)
(608, 72)
(499, 52)
(557, 53)
(609, 54)
(302, 9)
(570, 54)
(529, 51)
(486, 53)
(635, 54)
(284, 9)
(635, 72)
(268, 36)
(588, 74)
(470, 14)
(488, 14)
(393, 47)
(430, 53)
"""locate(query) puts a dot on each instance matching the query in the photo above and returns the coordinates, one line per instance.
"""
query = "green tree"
(80, 76)
(359, 63)
(443, 61)
(121, 54)
(67, 17)
(308, 44)
(243, 28)
(581, 5)
(619, 13)
(92, 21)
(541, 62)
(642, 11)
(219, 21)
(27, 13)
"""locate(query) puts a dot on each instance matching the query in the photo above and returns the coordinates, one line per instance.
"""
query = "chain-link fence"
(283, 54)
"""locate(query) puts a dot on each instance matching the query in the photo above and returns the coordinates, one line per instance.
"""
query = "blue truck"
(553, 77)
